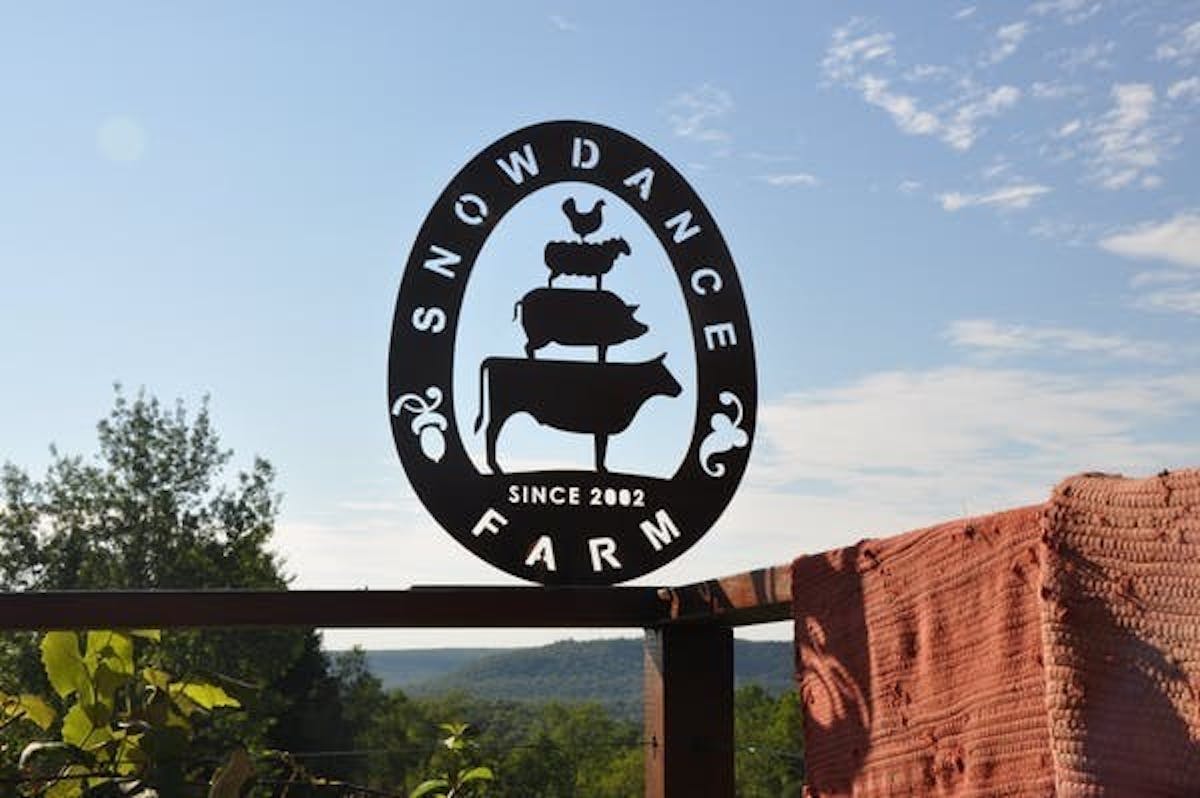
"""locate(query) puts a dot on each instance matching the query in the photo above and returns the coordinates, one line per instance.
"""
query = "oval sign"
(575, 373)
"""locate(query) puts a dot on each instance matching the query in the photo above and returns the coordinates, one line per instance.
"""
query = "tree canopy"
(149, 510)
(156, 508)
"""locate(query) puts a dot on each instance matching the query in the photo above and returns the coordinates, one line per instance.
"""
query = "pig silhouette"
(576, 317)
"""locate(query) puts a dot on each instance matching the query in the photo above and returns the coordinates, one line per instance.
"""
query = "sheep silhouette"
(584, 259)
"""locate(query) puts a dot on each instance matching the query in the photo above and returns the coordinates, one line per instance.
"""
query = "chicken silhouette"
(584, 224)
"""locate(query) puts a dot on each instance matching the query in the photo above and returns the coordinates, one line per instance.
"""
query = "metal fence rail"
(688, 664)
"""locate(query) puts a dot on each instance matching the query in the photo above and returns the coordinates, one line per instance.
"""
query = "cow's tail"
(483, 370)
(517, 308)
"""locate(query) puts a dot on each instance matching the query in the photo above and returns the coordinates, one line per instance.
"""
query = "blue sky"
(969, 238)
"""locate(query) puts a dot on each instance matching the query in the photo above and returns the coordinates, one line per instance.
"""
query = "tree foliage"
(157, 508)
(769, 759)
(147, 512)
(123, 727)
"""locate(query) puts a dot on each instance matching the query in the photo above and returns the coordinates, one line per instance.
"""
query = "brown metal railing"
(688, 672)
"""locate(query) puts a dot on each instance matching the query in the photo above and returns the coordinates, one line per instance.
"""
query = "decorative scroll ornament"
(427, 424)
(727, 434)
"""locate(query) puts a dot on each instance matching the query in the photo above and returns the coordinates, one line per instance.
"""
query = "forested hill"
(606, 671)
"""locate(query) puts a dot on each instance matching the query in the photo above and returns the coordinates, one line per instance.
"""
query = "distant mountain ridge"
(604, 671)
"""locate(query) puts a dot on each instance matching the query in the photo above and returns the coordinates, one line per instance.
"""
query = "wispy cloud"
(991, 338)
(1069, 232)
(963, 13)
(1181, 45)
(1068, 128)
(1006, 41)
(1187, 89)
(1071, 12)
(1094, 55)
(962, 129)
(1186, 301)
(942, 437)
(1053, 90)
(696, 114)
(858, 58)
(1011, 197)
(1124, 144)
(853, 47)
(1175, 240)
(563, 24)
(902, 108)
(791, 179)
(927, 72)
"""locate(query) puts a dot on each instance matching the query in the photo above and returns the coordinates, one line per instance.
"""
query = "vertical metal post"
(688, 698)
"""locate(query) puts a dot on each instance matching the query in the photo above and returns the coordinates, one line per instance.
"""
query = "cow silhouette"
(573, 317)
(583, 259)
(570, 395)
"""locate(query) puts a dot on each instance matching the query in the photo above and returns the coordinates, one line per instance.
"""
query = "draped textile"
(1047, 650)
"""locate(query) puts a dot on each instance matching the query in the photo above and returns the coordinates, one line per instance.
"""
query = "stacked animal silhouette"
(580, 257)
(598, 397)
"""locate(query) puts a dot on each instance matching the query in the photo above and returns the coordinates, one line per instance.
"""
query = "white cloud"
(1053, 90)
(1012, 197)
(901, 107)
(1006, 41)
(121, 139)
(963, 13)
(857, 57)
(1161, 277)
(1068, 232)
(992, 338)
(563, 24)
(937, 440)
(791, 179)
(1094, 55)
(909, 186)
(1187, 89)
(1068, 129)
(851, 49)
(1182, 45)
(694, 114)
(961, 131)
(1176, 240)
(1070, 11)
(925, 72)
(1173, 301)
(1123, 142)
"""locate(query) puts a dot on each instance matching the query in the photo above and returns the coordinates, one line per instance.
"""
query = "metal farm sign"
(576, 290)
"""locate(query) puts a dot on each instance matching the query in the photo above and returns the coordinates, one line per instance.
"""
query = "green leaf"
(108, 682)
(160, 679)
(70, 783)
(147, 634)
(205, 695)
(427, 788)
(114, 649)
(83, 731)
(481, 773)
(36, 710)
(64, 665)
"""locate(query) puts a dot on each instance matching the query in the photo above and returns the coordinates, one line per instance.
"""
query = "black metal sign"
(586, 443)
